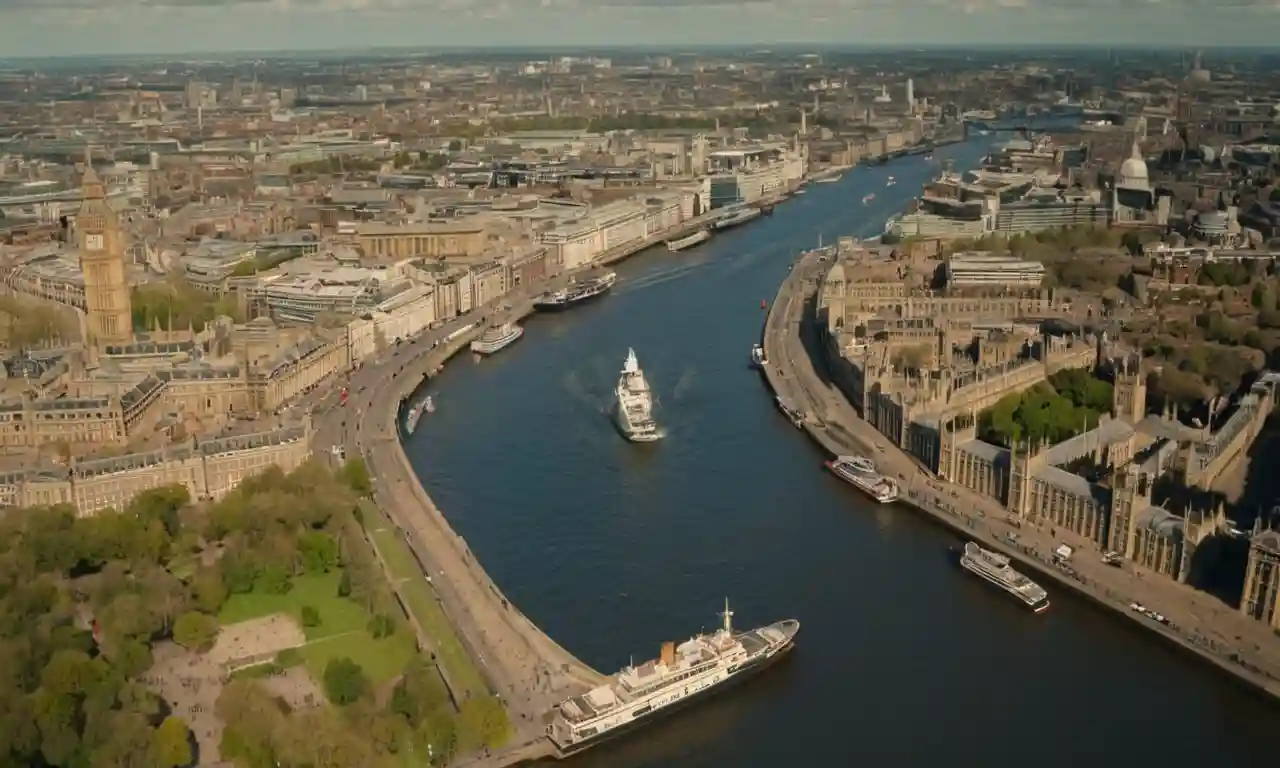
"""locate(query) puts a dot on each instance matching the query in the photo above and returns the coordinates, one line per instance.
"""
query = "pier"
(1197, 622)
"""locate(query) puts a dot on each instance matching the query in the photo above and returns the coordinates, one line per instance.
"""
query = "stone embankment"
(520, 663)
(1197, 622)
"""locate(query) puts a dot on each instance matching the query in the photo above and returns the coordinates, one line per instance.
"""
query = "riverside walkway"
(520, 664)
(1198, 622)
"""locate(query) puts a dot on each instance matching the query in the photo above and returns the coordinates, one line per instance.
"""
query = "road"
(1196, 620)
(524, 667)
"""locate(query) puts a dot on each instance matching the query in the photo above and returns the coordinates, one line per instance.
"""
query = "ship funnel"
(668, 658)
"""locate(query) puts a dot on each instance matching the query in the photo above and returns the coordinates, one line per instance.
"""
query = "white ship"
(860, 472)
(415, 414)
(680, 243)
(735, 217)
(758, 357)
(891, 182)
(995, 568)
(635, 403)
(497, 338)
(682, 674)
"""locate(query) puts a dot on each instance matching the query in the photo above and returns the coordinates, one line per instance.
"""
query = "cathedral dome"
(1133, 172)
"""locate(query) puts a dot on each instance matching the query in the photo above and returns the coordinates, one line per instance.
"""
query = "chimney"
(668, 658)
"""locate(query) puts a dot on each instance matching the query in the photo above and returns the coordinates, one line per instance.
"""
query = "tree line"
(84, 600)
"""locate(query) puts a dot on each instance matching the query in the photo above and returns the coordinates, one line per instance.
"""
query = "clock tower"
(102, 261)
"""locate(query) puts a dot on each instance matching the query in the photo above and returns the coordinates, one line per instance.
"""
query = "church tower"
(102, 260)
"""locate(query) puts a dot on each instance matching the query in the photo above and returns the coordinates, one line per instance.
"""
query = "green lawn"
(421, 602)
(337, 614)
(382, 660)
(343, 629)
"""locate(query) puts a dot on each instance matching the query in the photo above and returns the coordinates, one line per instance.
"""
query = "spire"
(90, 183)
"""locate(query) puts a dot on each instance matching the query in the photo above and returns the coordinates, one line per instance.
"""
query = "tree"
(419, 691)
(355, 474)
(319, 551)
(195, 631)
(344, 681)
(344, 584)
(382, 625)
(310, 616)
(209, 589)
(171, 743)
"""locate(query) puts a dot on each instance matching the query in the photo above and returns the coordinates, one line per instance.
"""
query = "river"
(613, 548)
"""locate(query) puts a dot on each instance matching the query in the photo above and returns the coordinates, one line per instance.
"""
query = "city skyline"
(177, 27)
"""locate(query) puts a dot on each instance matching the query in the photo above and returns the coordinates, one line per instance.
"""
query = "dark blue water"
(614, 548)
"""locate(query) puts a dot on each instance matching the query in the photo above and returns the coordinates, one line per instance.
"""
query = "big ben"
(106, 280)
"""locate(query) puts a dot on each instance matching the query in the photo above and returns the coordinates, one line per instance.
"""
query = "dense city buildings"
(1082, 330)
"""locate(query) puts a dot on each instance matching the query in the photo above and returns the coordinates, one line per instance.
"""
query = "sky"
(79, 27)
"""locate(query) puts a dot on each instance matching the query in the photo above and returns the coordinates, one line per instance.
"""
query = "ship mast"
(728, 618)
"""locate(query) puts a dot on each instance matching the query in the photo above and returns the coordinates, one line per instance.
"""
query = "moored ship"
(497, 338)
(860, 472)
(736, 218)
(682, 674)
(681, 243)
(575, 293)
(758, 357)
(635, 403)
(995, 569)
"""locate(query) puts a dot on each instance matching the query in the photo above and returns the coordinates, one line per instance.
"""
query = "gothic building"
(102, 260)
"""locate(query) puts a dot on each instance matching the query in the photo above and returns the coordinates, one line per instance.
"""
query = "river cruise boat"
(682, 674)
(497, 338)
(860, 472)
(635, 403)
(736, 218)
(995, 569)
(576, 293)
(681, 243)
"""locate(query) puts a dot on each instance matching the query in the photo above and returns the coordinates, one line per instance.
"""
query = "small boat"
(800, 191)
(928, 157)
(497, 338)
(680, 243)
(758, 357)
(868, 198)
(891, 182)
(429, 405)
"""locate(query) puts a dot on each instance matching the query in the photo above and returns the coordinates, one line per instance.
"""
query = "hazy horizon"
(56, 28)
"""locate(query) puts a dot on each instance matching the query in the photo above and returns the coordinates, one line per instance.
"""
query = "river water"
(613, 548)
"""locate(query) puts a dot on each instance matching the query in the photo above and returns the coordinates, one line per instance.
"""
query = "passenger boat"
(575, 293)
(497, 338)
(860, 472)
(681, 243)
(682, 674)
(995, 569)
(635, 403)
(736, 218)
(758, 357)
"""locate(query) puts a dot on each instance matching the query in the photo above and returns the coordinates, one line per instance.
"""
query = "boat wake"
(684, 384)
(579, 392)
(658, 278)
